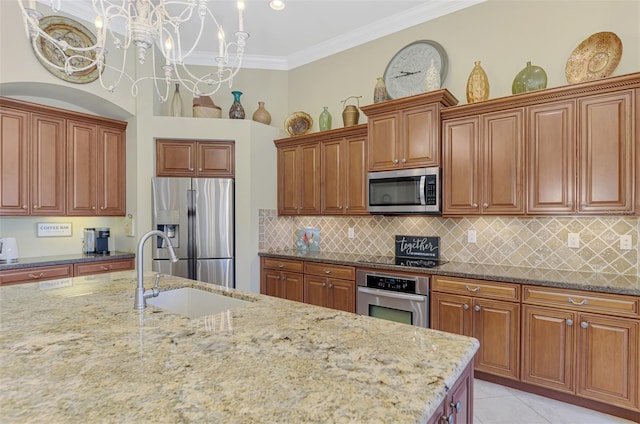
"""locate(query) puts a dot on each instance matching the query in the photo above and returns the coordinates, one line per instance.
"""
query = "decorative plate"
(77, 35)
(298, 123)
(596, 57)
(406, 71)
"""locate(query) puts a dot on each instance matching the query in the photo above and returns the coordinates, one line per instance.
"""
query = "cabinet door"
(82, 162)
(384, 142)
(288, 180)
(548, 347)
(216, 159)
(341, 295)
(356, 176)
(420, 137)
(503, 162)
(333, 177)
(451, 313)
(111, 171)
(271, 283)
(496, 325)
(310, 179)
(607, 150)
(461, 398)
(461, 166)
(314, 290)
(608, 359)
(551, 153)
(175, 158)
(47, 170)
(14, 162)
(293, 286)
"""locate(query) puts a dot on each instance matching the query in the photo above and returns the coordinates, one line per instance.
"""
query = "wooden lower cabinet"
(102, 267)
(495, 323)
(330, 293)
(282, 278)
(457, 406)
(31, 275)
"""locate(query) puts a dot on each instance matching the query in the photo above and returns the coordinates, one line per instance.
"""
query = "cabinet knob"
(324, 284)
(456, 405)
(404, 160)
(475, 205)
(199, 169)
(447, 419)
(93, 208)
(346, 207)
(485, 205)
(465, 307)
(36, 207)
(278, 277)
(24, 206)
(476, 308)
(191, 169)
(395, 161)
(569, 322)
(339, 207)
(330, 285)
(299, 208)
(284, 278)
(584, 324)
(102, 208)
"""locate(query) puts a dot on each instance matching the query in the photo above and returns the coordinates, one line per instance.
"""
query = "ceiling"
(307, 30)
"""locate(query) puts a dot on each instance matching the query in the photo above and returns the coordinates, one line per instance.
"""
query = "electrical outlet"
(625, 242)
(471, 236)
(351, 233)
(573, 241)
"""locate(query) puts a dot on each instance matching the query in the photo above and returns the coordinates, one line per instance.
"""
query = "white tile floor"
(495, 404)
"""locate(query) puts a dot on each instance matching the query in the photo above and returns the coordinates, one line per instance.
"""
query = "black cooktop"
(404, 261)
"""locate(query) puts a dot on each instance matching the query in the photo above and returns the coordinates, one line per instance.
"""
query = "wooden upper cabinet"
(299, 179)
(551, 158)
(309, 179)
(14, 162)
(405, 133)
(344, 176)
(48, 163)
(111, 172)
(483, 161)
(194, 158)
(606, 152)
(82, 164)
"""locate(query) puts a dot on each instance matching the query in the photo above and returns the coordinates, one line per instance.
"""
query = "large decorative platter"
(596, 57)
(77, 35)
(298, 123)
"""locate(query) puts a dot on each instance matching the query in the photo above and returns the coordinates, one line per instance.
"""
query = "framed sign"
(53, 229)
(418, 247)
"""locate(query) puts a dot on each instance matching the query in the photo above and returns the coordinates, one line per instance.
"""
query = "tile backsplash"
(526, 242)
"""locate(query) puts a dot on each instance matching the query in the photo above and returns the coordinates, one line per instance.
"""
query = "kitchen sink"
(194, 303)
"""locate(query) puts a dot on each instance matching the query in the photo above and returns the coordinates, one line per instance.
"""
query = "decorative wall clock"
(406, 72)
(76, 35)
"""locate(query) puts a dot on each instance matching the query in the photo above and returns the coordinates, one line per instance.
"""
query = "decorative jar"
(324, 122)
(261, 114)
(477, 84)
(236, 111)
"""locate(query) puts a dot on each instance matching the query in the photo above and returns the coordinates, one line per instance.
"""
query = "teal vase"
(325, 120)
(236, 111)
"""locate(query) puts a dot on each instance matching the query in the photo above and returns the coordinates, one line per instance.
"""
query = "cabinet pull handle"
(475, 205)
(280, 265)
(457, 405)
(465, 307)
(569, 322)
(584, 324)
(584, 301)
(327, 271)
(476, 308)
(105, 268)
(395, 161)
(477, 289)
(36, 276)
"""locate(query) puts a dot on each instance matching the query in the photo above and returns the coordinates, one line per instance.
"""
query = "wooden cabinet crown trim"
(338, 133)
(623, 82)
(444, 97)
(61, 113)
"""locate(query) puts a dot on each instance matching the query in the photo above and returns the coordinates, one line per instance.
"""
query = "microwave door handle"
(423, 194)
(392, 294)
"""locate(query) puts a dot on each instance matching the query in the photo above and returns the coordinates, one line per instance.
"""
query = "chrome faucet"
(140, 300)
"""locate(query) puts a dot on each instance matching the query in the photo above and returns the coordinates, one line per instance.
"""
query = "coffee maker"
(102, 241)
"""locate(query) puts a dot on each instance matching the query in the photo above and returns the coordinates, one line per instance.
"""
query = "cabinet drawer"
(327, 270)
(604, 303)
(101, 267)
(28, 275)
(283, 264)
(476, 288)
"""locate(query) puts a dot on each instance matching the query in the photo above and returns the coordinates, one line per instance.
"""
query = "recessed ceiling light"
(276, 4)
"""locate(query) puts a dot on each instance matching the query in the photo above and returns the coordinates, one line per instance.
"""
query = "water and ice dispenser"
(173, 233)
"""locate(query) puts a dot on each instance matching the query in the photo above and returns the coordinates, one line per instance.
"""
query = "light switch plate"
(573, 241)
(625, 242)
(351, 233)
(472, 236)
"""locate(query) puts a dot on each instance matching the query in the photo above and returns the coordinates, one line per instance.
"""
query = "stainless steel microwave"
(405, 191)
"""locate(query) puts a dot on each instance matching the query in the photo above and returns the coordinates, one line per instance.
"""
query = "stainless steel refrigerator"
(197, 215)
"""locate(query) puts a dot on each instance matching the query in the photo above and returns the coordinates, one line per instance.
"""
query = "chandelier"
(150, 27)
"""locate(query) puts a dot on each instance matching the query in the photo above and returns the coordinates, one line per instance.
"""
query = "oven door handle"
(392, 294)
(423, 194)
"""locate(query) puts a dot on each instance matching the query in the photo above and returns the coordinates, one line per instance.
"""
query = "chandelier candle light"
(148, 26)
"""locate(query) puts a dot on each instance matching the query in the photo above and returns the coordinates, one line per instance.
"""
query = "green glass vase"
(529, 79)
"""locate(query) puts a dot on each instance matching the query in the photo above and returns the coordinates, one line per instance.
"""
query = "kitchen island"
(75, 350)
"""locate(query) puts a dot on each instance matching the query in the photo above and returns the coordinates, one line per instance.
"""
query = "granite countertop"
(589, 281)
(75, 350)
(63, 259)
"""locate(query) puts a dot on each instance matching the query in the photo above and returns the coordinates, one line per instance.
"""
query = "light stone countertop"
(75, 350)
(576, 280)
